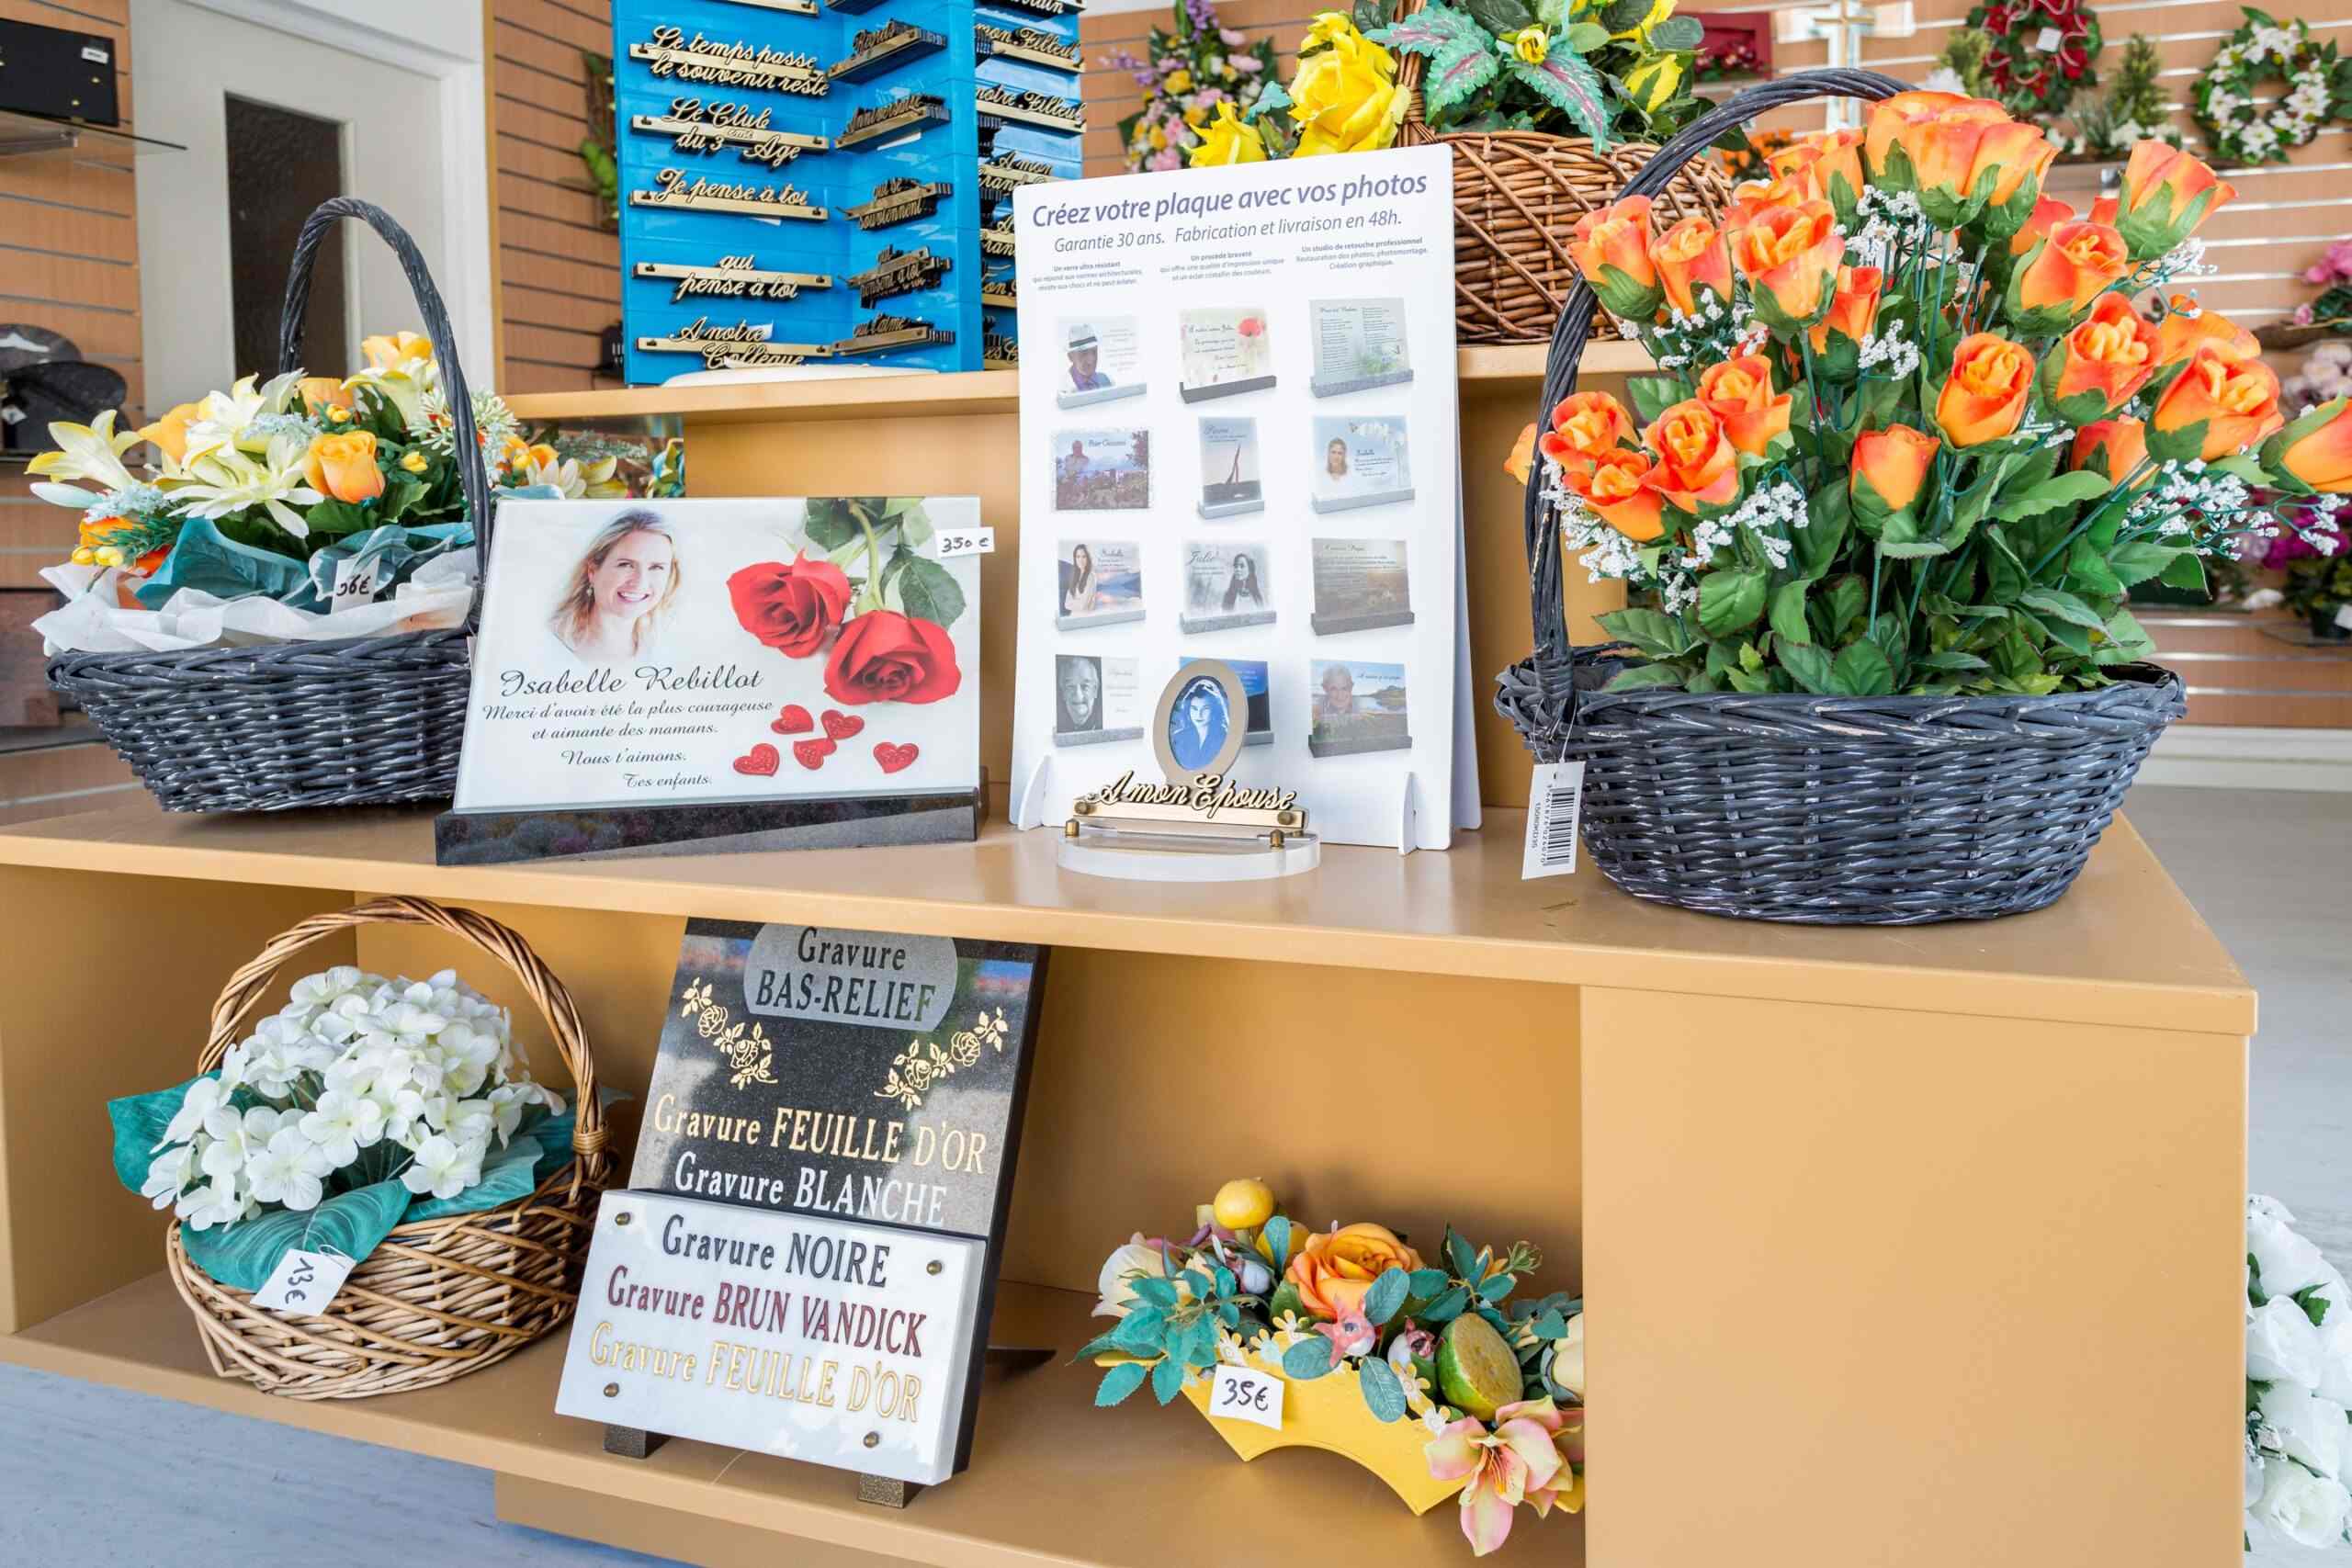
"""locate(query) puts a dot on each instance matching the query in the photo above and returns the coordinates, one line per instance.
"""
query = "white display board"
(1255, 441)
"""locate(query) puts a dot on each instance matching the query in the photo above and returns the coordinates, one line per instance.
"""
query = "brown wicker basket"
(438, 1298)
(1517, 194)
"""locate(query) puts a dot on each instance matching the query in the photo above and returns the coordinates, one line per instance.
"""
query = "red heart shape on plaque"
(842, 726)
(894, 758)
(760, 762)
(811, 753)
(793, 720)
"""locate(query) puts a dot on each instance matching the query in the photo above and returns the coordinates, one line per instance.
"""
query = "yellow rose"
(344, 467)
(1159, 139)
(1180, 81)
(1195, 115)
(414, 462)
(1530, 43)
(170, 432)
(1228, 138)
(1345, 97)
(399, 349)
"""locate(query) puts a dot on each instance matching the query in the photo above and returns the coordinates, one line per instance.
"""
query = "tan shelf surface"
(1053, 1481)
(2124, 947)
(975, 392)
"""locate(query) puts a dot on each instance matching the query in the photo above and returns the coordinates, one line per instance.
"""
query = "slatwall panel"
(69, 261)
(559, 273)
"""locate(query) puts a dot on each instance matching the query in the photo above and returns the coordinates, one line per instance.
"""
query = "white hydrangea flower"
(217, 1202)
(291, 1170)
(342, 1124)
(203, 1097)
(443, 1167)
(167, 1176)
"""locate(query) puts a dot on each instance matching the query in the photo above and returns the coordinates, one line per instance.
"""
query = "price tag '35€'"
(1245, 1394)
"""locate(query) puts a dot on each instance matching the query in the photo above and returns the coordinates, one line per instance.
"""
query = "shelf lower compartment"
(1053, 1481)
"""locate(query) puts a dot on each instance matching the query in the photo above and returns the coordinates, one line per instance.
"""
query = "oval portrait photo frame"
(1220, 674)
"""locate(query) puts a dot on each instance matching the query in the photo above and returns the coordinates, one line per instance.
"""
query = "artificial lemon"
(1244, 1203)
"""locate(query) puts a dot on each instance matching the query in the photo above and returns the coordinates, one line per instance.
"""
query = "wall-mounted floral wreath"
(2031, 72)
(2245, 130)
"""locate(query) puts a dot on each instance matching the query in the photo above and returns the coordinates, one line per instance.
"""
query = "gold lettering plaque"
(731, 278)
(897, 200)
(911, 112)
(898, 272)
(696, 193)
(694, 126)
(743, 346)
(876, 49)
(673, 54)
(1030, 109)
(1033, 46)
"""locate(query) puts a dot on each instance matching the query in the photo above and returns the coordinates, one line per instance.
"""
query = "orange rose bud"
(2013, 153)
(1584, 426)
(1854, 311)
(2186, 328)
(1691, 257)
(1739, 392)
(2048, 213)
(2107, 358)
(1791, 256)
(1521, 456)
(344, 467)
(1984, 396)
(170, 432)
(1697, 465)
(1618, 489)
(1610, 246)
(2316, 450)
(2236, 400)
(2074, 267)
(1890, 116)
(322, 393)
(2121, 444)
(2106, 210)
(1894, 461)
(2168, 194)
(1834, 156)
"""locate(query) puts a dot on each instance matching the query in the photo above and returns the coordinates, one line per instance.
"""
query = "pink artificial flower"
(1168, 159)
(2304, 314)
(1232, 38)
(2339, 257)
(2320, 272)
(1528, 1458)
(1352, 1334)
(1248, 64)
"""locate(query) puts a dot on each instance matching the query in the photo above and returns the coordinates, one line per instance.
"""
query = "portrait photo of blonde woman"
(617, 596)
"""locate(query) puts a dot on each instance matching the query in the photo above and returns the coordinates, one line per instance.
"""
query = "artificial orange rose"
(1691, 257)
(2106, 210)
(2121, 444)
(1521, 456)
(2168, 194)
(1889, 116)
(170, 432)
(2074, 267)
(2186, 328)
(344, 467)
(1984, 396)
(2316, 450)
(1942, 146)
(2048, 213)
(1791, 256)
(389, 353)
(2108, 357)
(1334, 1268)
(1829, 156)
(1752, 199)
(1697, 464)
(1610, 246)
(2012, 152)
(1854, 309)
(1739, 392)
(1584, 426)
(322, 393)
(1617, 488)
(2236, 400)
(1895, 463)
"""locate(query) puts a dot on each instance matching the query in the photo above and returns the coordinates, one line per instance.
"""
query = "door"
(274, 124)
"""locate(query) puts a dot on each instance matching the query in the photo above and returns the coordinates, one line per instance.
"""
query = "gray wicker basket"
(353, 722)
(1830, 810)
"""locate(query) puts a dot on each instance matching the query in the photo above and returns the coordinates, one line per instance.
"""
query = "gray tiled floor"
(101, 1479)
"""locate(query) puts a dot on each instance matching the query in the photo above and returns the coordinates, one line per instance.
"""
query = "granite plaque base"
(1106, 619)
(1099, 395)
(1356, 503)
(1100, 737)
(1357, 748)
(1190, 623)
(1329, 626)
(847, 822)
(1224, 389)
(1339, 386)
(1214, 509)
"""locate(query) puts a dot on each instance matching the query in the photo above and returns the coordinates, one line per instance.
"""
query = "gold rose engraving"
(750, 1053)
(916, 1070)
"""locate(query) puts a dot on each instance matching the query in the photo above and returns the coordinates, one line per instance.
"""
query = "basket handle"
(1544, 564)
(473, 475)
(246, 986)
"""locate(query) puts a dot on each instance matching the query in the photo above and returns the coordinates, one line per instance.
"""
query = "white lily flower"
(291, 1170)
(228, 480)
(167, 1176)
(203, 1097)
(92, 452)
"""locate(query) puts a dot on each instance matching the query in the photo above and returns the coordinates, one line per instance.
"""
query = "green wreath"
(2032, 81)
(2319, 88)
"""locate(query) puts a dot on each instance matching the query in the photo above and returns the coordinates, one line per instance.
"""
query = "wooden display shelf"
(1054, 1481)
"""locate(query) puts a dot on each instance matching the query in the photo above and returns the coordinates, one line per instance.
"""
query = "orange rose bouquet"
(1485, 1382)
(1926, 428)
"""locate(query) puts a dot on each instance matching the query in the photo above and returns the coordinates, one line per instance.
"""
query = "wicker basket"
(352, 722)
(1517, 194)
(438, 1298)
(1832, 810)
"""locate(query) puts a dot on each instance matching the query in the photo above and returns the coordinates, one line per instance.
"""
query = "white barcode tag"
(303, 1282)
(1245, 1394)
(966, 542)
(2048, 40)
(2343, 615)
(1552, 805)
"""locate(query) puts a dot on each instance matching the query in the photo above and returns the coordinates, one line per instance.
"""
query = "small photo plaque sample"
(1252, 675)
(1102, 360)
(1226, 584)
(1358, 707)
(1100, 583)
(1360, 462)
(1359, 344)
(1102, 470)
(1224, 353)
(1096, 699)
(1359, 584)
(663, 676)
(806, 1262)
(1229, 482)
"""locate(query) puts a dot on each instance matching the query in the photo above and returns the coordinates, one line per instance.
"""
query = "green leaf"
(1167, 1379)
(2127, 641)
(1624, 15)
(2005, 575)
(1730, 601)
(1657, 634)
(1808, 664)
(2185, 572)
(1142, 1332)
(1787, 613)
(1501, 17)
(512, 1175)
(830, 523)
(1569, 83)
(2071, 489)
(1120, 1382)
(244, 1255)
(1387, 1295)
(1653, 395)
(2087, 571)
(1642, 677)
(1495, 1287)
(1684, 34)
(1457, 74)
(1382, 1394)
(1861, 669)
(2051, 601)
(1585, 37)
(2140, 560)
(1309, 1360)
(1447, 1307)
(1425, 1283)
(138, 1122)
(1158, 1293)
(2314, 1304)
(1849, 598)
(930, 592)
(1952, 659)
(1271, 99)
(1370, 14)
(1277, 1233)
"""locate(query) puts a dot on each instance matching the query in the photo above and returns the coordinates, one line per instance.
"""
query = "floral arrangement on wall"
(1189, 67)
(2299, 1387)
(2246, 124)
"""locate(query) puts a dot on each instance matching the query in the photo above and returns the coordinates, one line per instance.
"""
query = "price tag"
(1552, 806)
(2343, 615)
(966, 542)
(1245, 1394)
(304, 1283)
(355, 582)
(95, 54)
(2049, 40)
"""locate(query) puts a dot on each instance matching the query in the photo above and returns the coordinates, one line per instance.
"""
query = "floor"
(2272, 872)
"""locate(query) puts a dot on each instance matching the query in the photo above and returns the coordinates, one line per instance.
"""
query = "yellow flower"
(1195, 115)
(1530, 43)
(1159, 139)
(414, 462)
(1228, 138)
(1180, 81)
(344, 467)
(1345, 97)
(398, 350)
(335, 415)
(1653, 81)
(1659, 11)
(170, 432)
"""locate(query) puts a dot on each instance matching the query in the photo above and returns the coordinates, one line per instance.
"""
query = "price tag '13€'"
(303, 1282)
(1245, 1394)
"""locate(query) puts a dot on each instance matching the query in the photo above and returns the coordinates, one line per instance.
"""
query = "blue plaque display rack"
(830, 181)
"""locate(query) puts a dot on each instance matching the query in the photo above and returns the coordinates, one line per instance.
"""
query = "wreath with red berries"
(2031, 77)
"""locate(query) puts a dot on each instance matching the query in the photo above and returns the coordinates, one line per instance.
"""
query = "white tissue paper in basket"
(94, 622)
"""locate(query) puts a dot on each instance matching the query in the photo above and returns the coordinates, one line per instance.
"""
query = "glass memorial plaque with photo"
(1261, 724)
(1102, 470)
(1229, 482)
(1359, 344)
(1360, 462)
(1359, 584)
(1100, 583)
(1101, 360)
(1225, 585)
(1224, 352)
(1096, 699)
(1358, 707)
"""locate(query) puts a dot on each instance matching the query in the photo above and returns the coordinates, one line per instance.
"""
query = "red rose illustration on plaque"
(790, 608)
(886, 656)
